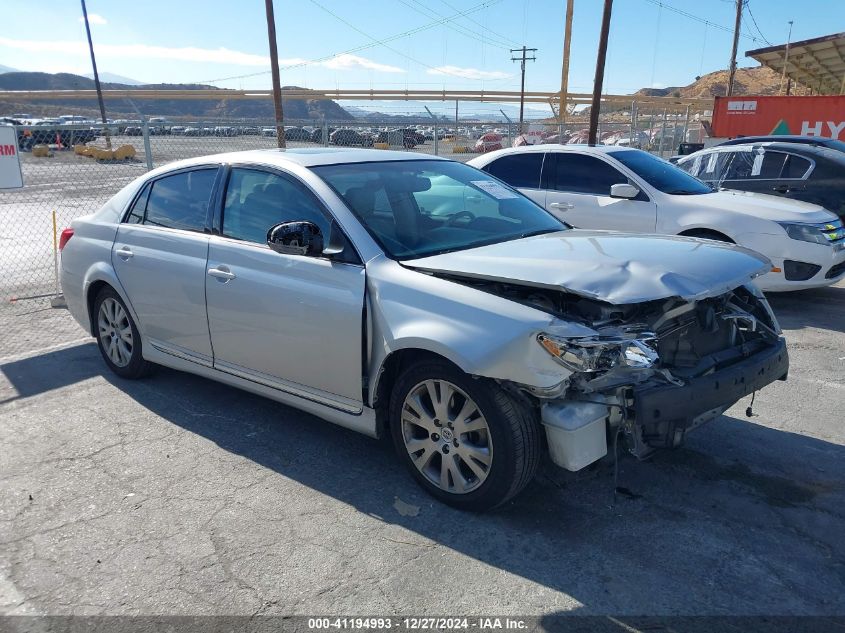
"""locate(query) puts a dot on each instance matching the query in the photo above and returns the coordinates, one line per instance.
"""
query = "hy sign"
(10, 161)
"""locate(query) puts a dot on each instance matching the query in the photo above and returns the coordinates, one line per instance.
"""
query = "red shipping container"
(756, 116)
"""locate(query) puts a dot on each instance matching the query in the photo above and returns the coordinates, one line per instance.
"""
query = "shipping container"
(758, 116)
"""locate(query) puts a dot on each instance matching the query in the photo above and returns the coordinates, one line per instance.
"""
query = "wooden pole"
(274, 69)
(732, 72)
(96, 76)
(599, 79)
(564, 72)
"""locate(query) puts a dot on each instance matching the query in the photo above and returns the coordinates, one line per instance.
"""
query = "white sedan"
(630, 190)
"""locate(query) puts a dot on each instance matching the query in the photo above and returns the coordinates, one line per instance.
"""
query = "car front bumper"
(829, 259)
(664, 413)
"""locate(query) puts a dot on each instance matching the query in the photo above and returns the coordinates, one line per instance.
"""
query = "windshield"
(660, 174)
(418, 208)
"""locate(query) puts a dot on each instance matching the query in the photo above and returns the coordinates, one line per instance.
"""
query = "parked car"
(397, 138)
(800, 171)
(407, 295)
(347, 138)
(133, 130)
(820, 141)
(631, 190)
(297, 134)
(488, 142)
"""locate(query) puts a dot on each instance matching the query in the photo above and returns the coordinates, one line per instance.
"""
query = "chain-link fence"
(71, 170)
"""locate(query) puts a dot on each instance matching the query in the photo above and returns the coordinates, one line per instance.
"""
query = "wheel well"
(392, 367)
(93, 291)
(708, 234)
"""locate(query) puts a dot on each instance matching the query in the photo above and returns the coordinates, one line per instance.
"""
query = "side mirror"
(296, 238)
(624, 190)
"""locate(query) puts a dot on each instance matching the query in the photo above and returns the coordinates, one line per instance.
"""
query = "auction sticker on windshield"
(10, 163)
(494, 189)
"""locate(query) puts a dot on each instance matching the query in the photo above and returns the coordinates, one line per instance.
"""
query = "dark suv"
(820, 141)
(801, 171)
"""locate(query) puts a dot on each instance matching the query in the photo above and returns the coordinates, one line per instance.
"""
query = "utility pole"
(599, 79)
(564, 72)
(732, 71)
(522, 59)
(96, 76)
(274, 69)
(785, 57)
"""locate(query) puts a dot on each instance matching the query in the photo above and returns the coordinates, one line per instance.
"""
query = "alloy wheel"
(115, 332)
(447, 436)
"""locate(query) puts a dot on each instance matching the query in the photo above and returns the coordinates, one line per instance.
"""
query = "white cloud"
(95, 18)
(348, 62)
(187, 54)
(468, 73)
(139, 51)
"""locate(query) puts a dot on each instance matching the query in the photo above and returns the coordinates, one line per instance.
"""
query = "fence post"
(508, 119)
(686, 127)
(325, 134)
(148, 152)
(435, 129)
(662, 135)
(58, 299)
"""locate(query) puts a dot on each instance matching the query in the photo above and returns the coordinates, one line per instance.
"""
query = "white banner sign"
(10, 161)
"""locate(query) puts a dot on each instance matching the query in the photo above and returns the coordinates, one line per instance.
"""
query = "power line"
(721, 27)
(748, 8)
(374, 43)
(502, 37)
(467, 32)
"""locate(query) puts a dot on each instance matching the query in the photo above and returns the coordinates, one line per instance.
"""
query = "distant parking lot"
(179, 495)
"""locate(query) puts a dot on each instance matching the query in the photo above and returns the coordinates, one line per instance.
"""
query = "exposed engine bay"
(660, 368)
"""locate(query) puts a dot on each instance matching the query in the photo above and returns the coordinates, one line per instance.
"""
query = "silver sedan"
(401, 294)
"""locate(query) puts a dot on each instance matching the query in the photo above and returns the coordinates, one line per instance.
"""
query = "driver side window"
(258, 200)
(577, 173)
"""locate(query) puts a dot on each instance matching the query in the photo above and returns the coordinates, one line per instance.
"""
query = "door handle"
(781, 189)
(124, 252)
(221, 273)
(563, 206)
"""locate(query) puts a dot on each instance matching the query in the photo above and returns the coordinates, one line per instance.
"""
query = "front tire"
(118, 337)
(466, 441)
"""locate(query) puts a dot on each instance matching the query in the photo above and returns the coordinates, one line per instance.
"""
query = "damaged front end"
(653, 370)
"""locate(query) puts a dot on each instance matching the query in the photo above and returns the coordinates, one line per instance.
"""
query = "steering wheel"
(460, 214)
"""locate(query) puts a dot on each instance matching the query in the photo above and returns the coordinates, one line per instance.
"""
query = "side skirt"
(364, 422)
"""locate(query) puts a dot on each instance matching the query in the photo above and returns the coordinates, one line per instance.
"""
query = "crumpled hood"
(618, 268)
(760, 205)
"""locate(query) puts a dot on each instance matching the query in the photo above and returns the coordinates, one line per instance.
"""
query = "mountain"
(748, 81)
(187, 109)
(7, 69)
(114, 78)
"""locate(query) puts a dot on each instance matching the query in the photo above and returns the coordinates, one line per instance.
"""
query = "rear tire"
(466, 441)
(118, 337)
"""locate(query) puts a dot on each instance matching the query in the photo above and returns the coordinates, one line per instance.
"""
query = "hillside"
(748, 81)
(258, 109)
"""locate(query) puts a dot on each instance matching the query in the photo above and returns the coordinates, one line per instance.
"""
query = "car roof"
(795, 148)
(569, 147)
(781, 138)
(305, 157)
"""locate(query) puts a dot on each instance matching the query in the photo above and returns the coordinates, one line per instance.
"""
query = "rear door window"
(181, 201)
(578, 173)
(518, 170)
(795, 167)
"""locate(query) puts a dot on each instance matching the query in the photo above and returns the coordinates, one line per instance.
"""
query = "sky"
(397, 44)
